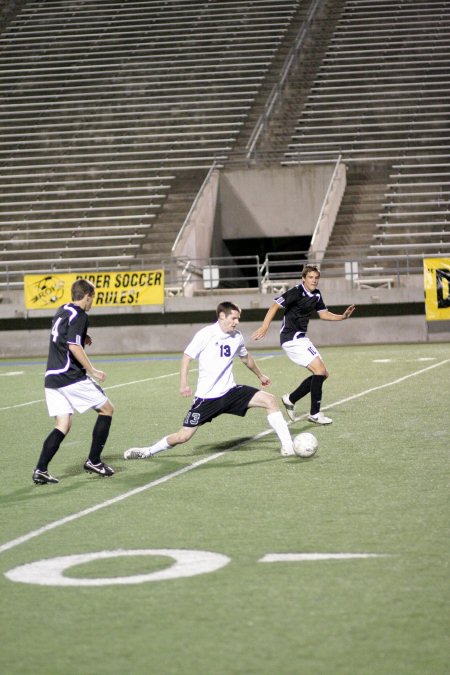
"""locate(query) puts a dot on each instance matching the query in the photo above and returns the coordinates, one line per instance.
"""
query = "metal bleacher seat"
(416, 210)
(380, 101)
(381, 89)
(105, 104)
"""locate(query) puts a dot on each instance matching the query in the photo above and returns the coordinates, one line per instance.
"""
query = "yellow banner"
(112, 289)
(437, 288)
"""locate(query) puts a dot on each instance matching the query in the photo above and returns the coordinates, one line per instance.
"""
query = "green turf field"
(221, 505)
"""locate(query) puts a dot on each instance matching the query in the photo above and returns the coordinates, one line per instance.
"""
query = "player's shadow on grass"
(234, 445)
(243, 444)
(170, 461)
(239, 445)
(33, 491)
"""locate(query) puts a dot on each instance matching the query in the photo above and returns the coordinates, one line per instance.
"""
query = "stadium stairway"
(380, 101)
(111, 114)
(160, 238)
(376, 94)
(318, 21)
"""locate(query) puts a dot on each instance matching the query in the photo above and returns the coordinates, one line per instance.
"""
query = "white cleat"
(137, 453)
(287, 452)
(320, 418)
(289, 407)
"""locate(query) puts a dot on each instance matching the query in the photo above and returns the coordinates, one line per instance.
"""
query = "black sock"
(50, 448)
(316, 393)
(99, 437)
(301, 391)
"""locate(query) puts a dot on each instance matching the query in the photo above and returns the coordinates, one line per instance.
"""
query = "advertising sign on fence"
(112, 289)
(437, 288)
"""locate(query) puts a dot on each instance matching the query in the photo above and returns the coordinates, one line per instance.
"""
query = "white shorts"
(80, 396)
(301, 351)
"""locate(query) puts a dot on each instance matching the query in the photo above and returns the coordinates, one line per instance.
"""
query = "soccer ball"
(305, 445)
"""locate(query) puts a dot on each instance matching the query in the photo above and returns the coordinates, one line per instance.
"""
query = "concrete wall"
(174, 338)
(147, 336)
(195, 241)
(272, 202)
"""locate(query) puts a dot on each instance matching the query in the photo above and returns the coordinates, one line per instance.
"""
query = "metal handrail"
(213, 166)
(277, 88)
(325, 201)
(235, 273)
(291, 263)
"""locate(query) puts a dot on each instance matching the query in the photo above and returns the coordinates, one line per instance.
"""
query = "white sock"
(159, 446)
(279, 425)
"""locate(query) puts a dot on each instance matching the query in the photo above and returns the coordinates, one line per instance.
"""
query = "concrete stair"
(161, 236)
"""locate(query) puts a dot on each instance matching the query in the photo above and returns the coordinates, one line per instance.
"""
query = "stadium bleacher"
(104, 105)
(380, 101)
(112, 115)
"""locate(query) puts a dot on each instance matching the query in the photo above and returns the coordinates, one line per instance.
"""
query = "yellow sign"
(437, 288)
(112, 289)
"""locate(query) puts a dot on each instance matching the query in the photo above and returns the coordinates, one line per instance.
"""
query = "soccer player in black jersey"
(298, 304)
(69, 385)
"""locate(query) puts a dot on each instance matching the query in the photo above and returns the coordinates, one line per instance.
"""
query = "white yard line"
(113, 386)
(22, 405)
(387, 384)
(92, 509)
(110, 502)
(116, 386)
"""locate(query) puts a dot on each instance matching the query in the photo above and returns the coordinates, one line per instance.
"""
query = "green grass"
(378, 484)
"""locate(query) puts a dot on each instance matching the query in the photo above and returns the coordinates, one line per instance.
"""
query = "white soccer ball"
(305, 444)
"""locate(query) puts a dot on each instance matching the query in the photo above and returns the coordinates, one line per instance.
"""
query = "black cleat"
(101, 469)
(43, 477)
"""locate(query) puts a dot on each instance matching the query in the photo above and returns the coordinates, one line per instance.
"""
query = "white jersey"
(215, 351)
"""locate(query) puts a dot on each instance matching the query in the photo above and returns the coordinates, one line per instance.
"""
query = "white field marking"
(147, 379)
(421, 358)
(387, 384)
(21, 405)
(113, 386)
(109, 502)
(49, 572)
(12, 373)
(304, 557)
(117, 386)
(161, 377)
(92, 509)
(188, 563)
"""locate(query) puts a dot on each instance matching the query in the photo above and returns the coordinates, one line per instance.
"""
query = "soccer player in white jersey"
(299, 303)
(69, 385)
(215, 347)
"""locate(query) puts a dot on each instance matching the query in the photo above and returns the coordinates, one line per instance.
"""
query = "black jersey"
(69, 326)
(298, 305)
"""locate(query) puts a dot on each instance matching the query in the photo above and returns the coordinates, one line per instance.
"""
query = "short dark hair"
(310, 268)
(80, 287)
(227, 307)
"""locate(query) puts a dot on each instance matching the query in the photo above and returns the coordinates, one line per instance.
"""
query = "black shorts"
(234, 402)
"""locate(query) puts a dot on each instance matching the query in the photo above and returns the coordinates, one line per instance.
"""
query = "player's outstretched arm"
(185, 389)
(262, 330)
(349, 311)
(251, 364)
(331, 316)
